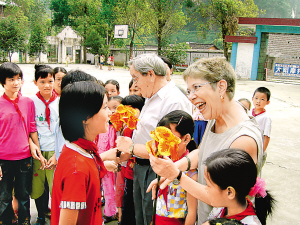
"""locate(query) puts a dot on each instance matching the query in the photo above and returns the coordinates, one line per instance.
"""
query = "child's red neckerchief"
(164, 192)
(91, 148)
(249, 211)
(254, 114)
(55, 93)
(15, 103)
(47, 110)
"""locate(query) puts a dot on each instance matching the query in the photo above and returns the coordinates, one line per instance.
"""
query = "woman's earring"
(222, 98)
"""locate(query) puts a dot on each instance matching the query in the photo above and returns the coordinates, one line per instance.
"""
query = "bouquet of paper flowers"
(164, 143)
(124, 114)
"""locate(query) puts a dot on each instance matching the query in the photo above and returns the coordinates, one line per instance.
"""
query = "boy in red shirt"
(17, 124)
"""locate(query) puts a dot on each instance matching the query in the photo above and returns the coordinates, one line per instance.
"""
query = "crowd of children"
(51, 135)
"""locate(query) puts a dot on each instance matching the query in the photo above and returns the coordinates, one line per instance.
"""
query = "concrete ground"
(282, 168)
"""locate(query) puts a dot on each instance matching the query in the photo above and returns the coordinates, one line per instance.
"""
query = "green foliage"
(176, 53)
(13, 33)
(165, 17)
(223, 15)
(37, 41)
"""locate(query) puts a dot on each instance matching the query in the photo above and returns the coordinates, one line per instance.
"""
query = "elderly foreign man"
(148, 72)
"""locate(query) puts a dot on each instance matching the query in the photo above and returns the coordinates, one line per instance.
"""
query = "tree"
(39, 24)
(13, 33)
(37, 41)
(133, 13)
(82, 15)
(224, 15)
(166, 17)
(176, 53)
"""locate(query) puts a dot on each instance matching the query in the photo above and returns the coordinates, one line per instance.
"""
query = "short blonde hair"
(213, 70)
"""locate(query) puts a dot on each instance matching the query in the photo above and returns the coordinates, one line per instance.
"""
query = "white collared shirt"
(167, 99)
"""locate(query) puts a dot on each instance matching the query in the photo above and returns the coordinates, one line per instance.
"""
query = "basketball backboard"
(121, 31)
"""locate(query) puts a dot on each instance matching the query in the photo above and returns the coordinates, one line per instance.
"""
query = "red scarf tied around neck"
(249, 211)
(15, 103)
(47, 110)
(92, 149)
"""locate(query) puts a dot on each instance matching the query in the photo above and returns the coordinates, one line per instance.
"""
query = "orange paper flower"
(124, 114)
(164, 143)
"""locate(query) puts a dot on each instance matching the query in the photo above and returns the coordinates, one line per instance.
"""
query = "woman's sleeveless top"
(212, 142)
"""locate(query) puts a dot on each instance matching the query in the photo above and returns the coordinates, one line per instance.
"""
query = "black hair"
(224, 221)
(59, 69)
(135, 101)
(79, 101)
(130, 83)
(167, 61)
(263, 90)
(100, 82)
(185, 125)
(114, 82)
(76, 76)
(9, 70)
(236, 168)
(42, 71)
(118, 98)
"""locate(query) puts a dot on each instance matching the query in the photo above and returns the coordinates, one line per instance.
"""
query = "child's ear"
(186, 138)
(35, 83)
(268, 102)
(231, 193)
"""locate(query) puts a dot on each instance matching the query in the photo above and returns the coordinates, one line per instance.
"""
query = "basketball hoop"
(121, 31)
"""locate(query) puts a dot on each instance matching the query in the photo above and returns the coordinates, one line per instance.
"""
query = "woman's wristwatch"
(176, 181)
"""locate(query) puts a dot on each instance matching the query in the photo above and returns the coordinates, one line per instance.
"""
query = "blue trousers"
(17, 174)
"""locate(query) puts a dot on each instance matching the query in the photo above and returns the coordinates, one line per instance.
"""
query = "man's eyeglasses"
(196, 88)
(135, 80)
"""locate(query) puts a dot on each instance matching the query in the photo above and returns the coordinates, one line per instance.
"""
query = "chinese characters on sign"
(287, 70)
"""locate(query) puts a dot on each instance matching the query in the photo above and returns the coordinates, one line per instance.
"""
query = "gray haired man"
(148, 72)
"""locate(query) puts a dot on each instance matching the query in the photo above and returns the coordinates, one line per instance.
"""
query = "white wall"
(244, 60)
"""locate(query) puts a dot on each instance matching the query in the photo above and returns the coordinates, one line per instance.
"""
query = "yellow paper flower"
(126, 114)
(164, 143)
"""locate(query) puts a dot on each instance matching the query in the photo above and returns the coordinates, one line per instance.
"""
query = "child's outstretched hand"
(51, 164)
(111, 165)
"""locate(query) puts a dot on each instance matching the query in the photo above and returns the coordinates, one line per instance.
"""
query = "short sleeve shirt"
(76, 186)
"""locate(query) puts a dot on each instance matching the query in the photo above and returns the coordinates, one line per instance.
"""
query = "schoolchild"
(76, 196)
(46, 118)
(261, 98)
(105, 142)
(231, 176)
(101, 61)
(17, 124)
(133, 90)
(128, 215)
(245, 103)
(71, 77)
(174, 205)
(112, 87)
(59, 73)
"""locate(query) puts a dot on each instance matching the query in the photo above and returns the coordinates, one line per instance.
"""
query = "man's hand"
(123, 144)
(51, 164)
